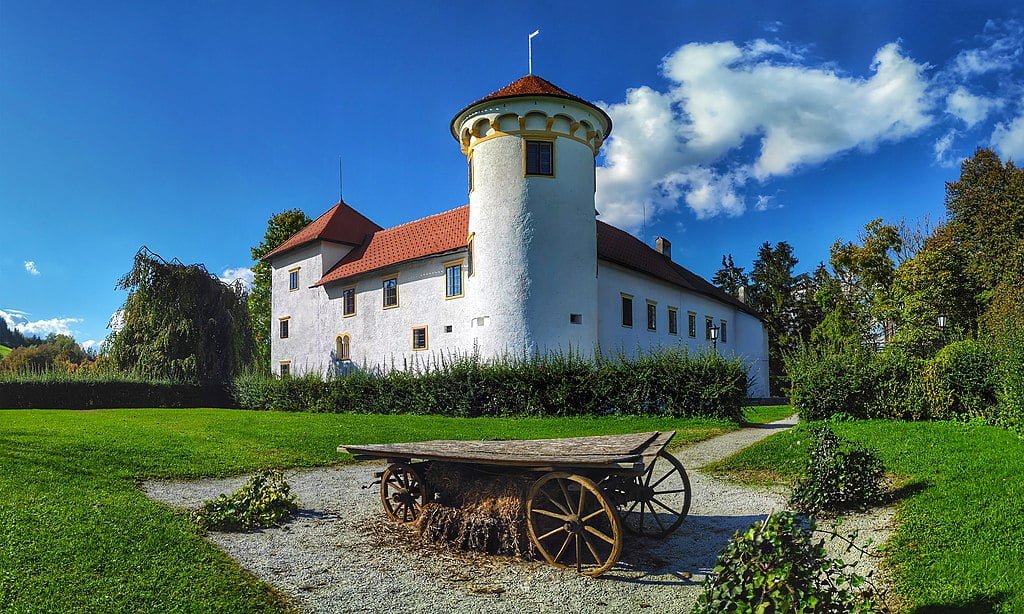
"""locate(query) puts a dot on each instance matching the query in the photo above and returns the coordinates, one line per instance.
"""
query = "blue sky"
(183, 126)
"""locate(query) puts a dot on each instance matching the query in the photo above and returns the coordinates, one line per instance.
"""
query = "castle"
(525, 267)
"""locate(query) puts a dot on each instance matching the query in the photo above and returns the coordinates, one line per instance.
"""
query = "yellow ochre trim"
(398, 300)
(426, 338)
(355, 301)
(461, 263)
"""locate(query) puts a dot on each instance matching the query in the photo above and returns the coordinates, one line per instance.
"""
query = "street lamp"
(943, 321)
(714, 337)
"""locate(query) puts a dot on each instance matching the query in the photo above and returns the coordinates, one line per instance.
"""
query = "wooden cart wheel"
(402, 492)
(573, 524)
(658, 505)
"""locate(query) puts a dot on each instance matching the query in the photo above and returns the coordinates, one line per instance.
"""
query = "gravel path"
(340, 555)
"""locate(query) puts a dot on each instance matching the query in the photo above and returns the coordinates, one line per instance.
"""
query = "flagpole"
(529, 42)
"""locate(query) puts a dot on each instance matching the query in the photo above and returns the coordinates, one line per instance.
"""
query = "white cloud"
(1002, 42)
(20, 321)
(772, 26)
(243, 274)
(116, 321)
(30, 266)
(941, 148)
(757, 105)
(1008, 138)
(91, 344)
(969, 107)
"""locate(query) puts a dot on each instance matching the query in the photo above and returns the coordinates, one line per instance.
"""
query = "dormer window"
(540, 158)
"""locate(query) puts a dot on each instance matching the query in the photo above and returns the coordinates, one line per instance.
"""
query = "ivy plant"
(265, 500)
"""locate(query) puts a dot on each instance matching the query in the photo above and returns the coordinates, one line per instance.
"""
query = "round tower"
(531, 150)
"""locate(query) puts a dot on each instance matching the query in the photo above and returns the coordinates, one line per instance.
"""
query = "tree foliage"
(13, 338)
(280, 227)
(181, 322)
(730, 277)
(772, 293)
(59, 352)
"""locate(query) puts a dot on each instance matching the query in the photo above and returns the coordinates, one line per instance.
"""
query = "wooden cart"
(587, 491)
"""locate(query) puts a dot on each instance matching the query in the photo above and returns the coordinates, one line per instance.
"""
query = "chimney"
(664, 247)
(741, 293)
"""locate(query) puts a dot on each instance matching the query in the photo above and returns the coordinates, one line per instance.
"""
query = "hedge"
(960, 381)
(671, 383)
(95, 394)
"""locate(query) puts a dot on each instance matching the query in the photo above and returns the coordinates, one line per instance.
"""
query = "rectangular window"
(652, 315)
(575, 318)
(348, 302)
(293, 279)
(722, 332)
(540, 158)
(469, 255)
(470, 164)
(627, 311)
(673, 321)
(691, 324)
(453, 279)
(284, 328)
(419, 338)
(285, 369)
(709, 322)
(390, 293)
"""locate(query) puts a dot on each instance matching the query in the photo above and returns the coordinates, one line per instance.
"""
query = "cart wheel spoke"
(590, 546)
(593, 531)
(550, 533)
(583, 498)
(662, 478)
(565, 545)
(669, 492)
(578, 563)
(560, 507)
(650, 471)
(543, 512)
(402, 493)
(655, 516)
(565, 493)
(593, 514)
(665, 507)
(673, 482)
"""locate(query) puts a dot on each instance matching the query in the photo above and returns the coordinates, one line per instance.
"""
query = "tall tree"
(280, 227)
(730, 277)
(772, 294)
(179, 321)
(865, 271)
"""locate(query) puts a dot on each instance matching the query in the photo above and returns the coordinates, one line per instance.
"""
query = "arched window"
(343, 347)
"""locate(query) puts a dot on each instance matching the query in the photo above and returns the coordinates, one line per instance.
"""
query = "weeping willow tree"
(181, 322)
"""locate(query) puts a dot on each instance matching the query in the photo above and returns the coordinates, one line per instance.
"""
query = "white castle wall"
(746, 339)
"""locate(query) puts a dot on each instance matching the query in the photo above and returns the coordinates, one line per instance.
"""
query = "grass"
(959, 544)
(4, 351)
(76, 533)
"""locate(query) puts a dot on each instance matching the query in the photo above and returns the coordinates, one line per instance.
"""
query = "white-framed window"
(283, 327)
(652, 315)
(627, 310)
(673, 321)
(348, 302)
(419, 338)
(390, 287)
(293, 280)
(453, 279)
(691, 324)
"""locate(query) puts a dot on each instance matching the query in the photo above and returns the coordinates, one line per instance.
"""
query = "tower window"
(453, 279)
(673, 321)
(293, 280)
(627, 310)
(283, 330)
(419, 338)
(540, 158)
(390, 293)
(348, 302)
(691, 324)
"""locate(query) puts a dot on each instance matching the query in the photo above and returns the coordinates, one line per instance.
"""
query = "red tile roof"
(532, 85)
(448, 231)
(432, 235)
(340, 224)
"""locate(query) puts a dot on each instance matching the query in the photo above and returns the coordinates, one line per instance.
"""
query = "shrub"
(959, 381)
(896, 389)
(839, 475)
(825, 383)
(776, 566)
(93, 389)
(671, 383)
(265, 500)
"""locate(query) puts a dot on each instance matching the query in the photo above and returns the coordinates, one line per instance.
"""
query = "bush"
(265, 500)
(776, 566)
(896, 389)
(671, 383)
(959, 381)
(840, 475)
(826, 383)
(84, 389)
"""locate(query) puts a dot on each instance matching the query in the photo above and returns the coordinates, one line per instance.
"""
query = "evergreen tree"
(280, 227)
(730, 277)
(772, 293)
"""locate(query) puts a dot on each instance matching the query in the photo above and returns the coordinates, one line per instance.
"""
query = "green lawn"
(4, 351)
(959, 545)
(76, 534)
